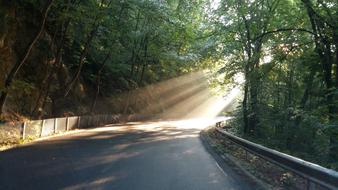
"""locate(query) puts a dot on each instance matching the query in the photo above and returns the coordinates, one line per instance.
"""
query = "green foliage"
(286, 51)
(144, 41)
(280, 48)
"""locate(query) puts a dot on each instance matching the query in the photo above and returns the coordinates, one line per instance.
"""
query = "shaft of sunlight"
(187, 98)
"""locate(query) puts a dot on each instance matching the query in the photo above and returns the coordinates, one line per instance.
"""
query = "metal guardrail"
(46, 127)
(33, 129)
(313, 173)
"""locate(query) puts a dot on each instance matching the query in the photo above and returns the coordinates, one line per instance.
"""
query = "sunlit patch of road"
(198, 123)
(166, 154)
(164, 129)
(161, 130)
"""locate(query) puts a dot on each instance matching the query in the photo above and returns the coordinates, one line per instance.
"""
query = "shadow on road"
(152, 155)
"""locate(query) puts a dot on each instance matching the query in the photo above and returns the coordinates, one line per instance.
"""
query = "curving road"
(165, 155)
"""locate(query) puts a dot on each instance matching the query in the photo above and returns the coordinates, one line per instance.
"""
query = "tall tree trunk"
(247, 49)
(41, 91)
(98, 81)
(134, 53)
(21, 62)
(38, 110)
(43, 83)
(81, 59)
(84, 52)
(254, 77)
(308, 87)
(145, 57)
(245, 109)
(323, 49)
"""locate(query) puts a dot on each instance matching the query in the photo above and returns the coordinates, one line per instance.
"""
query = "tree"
(287, 53)
(21, 61)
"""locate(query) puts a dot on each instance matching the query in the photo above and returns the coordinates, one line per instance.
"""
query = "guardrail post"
(42, 126)
(310, 185)
(78, 122)
(67, 123)
(23, 130)
(55, 124)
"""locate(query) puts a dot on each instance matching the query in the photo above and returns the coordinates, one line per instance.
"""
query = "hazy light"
(266, 59)
(239, 78)
(214, 4)
(183, 98)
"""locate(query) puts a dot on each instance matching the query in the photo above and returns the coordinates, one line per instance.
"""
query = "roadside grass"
(7, 143)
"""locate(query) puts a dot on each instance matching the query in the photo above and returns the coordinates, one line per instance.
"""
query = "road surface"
(137, 156)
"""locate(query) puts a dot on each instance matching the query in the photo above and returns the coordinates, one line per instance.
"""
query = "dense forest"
(287, 51)
(60, 57)
(73, 57)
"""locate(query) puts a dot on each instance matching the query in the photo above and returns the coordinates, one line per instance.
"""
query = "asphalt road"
(136, 156)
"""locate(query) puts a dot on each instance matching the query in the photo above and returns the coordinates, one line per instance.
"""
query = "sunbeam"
(183, 98)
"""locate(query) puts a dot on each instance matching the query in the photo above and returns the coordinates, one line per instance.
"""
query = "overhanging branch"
(283, 30)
